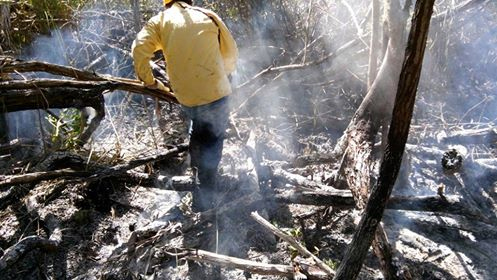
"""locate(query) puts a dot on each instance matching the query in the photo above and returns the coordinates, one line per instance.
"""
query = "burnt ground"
(97, 219)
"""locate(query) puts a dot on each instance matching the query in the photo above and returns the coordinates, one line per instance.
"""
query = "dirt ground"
(97, 219)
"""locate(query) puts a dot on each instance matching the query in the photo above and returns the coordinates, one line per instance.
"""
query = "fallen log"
(472, 136)
(117, 170)
(250, 266)
(308, 190)
(10, 65)
(24, 95)
(232, 262)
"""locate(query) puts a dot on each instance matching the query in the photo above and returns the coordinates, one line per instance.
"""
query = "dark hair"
(189, 2)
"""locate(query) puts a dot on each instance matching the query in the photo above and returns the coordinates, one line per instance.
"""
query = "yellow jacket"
(199, 50)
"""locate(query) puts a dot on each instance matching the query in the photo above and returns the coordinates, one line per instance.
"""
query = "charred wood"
(306, 253)
(27, 244)
(15, 145)
(14, 99)
(4, 137)
(472, 136)
(452, 204)
(232, 262)
(10, 65)
(36, 177)
(188, 224)
(177, 183)
(399, 129)
(254, 267)
(117, 170)
(343, 200)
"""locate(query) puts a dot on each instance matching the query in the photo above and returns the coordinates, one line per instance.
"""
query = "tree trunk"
(4, 43)
(356, 145)
(135, 6)
(4, 130)
(374, 45)
(399, 129)
(5, 28)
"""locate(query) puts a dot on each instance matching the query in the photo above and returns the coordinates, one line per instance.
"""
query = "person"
(200, 54)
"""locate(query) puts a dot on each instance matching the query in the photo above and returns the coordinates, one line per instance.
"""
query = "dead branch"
(459, 9)
(25, 245)
(10, 65)
(314, 197)
(177, 183)
(290, 67)
(16, 144)
(117, 170)
(247, 265)
(472, 136)
(310, 191)
(232, 262)
(36, 177)
(452, 204)
(267, 225)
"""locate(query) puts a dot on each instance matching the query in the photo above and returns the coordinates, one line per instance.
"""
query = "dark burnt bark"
(51, 98)
(10, 65)
(399, 129)
(25, 245)
(55, 98)
(4, 136)
(355, 147)
(86, 91)
(105, 172)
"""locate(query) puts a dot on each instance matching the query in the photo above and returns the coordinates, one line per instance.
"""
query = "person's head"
(168, 3)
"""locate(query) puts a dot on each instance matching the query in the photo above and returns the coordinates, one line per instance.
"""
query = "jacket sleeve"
(146, 43)
(228, 48)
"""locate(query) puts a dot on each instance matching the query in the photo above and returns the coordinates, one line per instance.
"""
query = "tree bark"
(5, 28)
(355, 147)
(135, 6)
(4, 132)
(49, 98)
(117, 170)
(374, 45)
(10, 65)
(399, 129)
(251, 266)
(25, 245)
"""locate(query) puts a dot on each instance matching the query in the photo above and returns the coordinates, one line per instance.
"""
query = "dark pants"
(207, 129)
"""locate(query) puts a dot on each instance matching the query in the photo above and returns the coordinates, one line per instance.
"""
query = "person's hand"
(158, 85)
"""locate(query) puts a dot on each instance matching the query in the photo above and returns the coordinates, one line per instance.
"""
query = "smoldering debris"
(294, 97)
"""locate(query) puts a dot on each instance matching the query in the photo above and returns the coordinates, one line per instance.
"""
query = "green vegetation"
(333, 264)
(66, 128)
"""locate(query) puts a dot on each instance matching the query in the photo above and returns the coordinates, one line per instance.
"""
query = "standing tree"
(4, 43)
(397, 138)
(355, 147)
